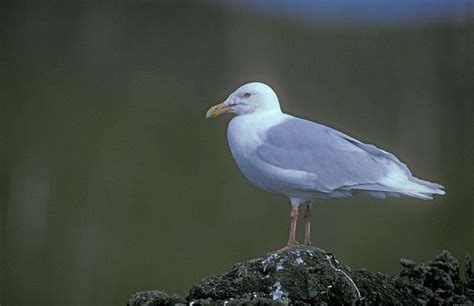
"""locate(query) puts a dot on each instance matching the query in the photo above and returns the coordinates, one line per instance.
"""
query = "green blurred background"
(112, 181)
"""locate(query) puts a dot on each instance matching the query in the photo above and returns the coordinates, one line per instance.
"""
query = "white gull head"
(250, 98)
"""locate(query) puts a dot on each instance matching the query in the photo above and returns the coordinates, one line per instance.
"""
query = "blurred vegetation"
(113, 181)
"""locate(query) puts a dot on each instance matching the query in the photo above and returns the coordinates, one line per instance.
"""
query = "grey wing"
(338, 161)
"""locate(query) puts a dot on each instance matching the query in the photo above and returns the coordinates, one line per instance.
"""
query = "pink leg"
(307, 225)
(292, 240)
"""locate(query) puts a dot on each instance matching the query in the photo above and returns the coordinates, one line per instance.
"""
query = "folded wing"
(339, 161)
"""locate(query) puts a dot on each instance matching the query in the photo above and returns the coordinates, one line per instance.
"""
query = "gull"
(307, 161)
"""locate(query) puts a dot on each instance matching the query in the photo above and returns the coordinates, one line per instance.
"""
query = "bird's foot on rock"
(283, 249)
(286, 248)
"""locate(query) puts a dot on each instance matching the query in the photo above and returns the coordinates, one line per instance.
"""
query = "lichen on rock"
(308, 275)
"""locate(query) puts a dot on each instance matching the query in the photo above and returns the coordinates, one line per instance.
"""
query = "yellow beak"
(217, 110)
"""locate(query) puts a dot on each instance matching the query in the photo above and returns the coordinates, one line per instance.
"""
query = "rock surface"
(308, 275)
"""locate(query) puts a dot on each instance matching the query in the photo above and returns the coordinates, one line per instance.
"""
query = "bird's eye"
(247, 94)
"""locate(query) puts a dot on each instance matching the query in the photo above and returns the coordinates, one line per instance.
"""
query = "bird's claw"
(283, 249)
(287, 247)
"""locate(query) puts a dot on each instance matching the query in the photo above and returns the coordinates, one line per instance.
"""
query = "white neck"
(260, 120)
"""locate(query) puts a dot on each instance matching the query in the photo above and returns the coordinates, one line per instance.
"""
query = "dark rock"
(308, 276)
(436, 282)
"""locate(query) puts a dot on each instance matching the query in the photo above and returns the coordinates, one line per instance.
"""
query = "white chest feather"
(245, 135)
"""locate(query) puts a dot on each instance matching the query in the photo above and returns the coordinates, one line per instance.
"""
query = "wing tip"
(425, 195)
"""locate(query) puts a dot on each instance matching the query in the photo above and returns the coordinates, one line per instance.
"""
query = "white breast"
(244, 137)
(243, 132)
